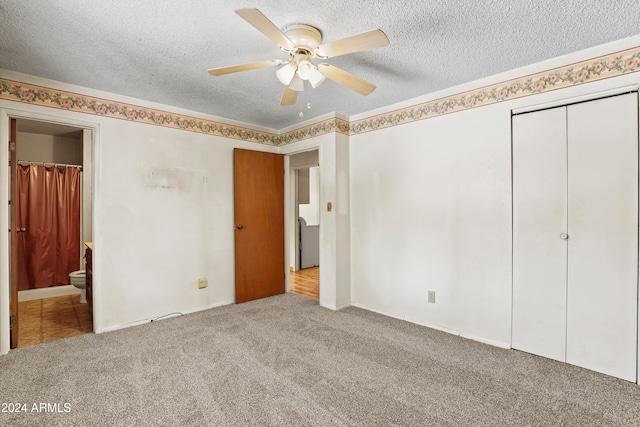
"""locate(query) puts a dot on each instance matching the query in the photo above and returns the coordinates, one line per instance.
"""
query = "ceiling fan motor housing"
(304, 37)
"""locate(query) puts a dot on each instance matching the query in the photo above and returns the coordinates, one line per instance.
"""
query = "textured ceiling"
(160, 50)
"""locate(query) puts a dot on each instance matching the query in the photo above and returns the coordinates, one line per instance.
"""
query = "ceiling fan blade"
(364, 41)
(266, 27)
(346, 79)
(289, 96)
(244, 67)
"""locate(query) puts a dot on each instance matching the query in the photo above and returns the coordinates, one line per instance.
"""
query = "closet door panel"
(603, 235)
(539, 217)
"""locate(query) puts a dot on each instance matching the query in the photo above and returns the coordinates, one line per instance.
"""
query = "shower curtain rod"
(58, 165)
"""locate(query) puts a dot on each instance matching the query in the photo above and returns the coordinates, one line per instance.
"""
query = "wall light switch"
(202, 283)
(329, 206)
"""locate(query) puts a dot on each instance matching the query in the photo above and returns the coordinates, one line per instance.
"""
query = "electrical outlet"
(432, 297)
(202, 283)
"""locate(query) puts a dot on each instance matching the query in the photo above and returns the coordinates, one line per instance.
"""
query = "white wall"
(163, 214)
(431, 210)
(35, 147)
(166, 202)
(434, 213)
(335, 260)
(305, 159)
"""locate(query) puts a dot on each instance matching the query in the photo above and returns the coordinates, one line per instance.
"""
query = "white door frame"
(291, 208)
(5, 250)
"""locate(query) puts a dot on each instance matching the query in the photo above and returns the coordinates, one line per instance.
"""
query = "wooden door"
(539, 218)
(603, 235)
(259, 224)
(13, 212)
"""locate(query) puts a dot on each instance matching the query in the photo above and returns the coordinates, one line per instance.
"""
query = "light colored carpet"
(286, 361)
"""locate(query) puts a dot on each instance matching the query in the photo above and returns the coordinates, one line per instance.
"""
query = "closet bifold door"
(602, 278)
(539, 218)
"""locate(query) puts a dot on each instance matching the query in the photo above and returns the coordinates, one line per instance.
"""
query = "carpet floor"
(286, 361)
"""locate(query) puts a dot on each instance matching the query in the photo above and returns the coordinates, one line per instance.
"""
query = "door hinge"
(13, 320)
(12, 146)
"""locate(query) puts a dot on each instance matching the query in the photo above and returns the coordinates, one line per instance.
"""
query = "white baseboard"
(219, 304)
(143, 321)
(494, 343)
(395, 316)
(329, 307)
(55, 291)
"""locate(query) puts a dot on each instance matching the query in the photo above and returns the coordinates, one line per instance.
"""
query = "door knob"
(564, 236)
(240, 227)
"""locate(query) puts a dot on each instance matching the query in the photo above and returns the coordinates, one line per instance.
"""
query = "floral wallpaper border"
(48, 97)
(599, 68)
(321, 128)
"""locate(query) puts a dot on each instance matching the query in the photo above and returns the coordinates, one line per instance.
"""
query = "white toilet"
(78, 280)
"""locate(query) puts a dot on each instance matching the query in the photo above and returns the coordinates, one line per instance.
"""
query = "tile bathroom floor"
(51, 319)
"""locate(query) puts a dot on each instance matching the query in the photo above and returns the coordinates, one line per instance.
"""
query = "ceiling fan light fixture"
(305, 68)
(315, 78)
(285, 74)
(297, 83)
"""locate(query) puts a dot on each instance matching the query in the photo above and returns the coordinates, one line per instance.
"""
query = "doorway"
(53, 161)
(305, 242)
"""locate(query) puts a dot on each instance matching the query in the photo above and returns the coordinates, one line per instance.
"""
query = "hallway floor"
(306, 282)
(51, 319)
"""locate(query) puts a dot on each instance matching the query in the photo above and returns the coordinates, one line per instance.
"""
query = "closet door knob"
(564, 236)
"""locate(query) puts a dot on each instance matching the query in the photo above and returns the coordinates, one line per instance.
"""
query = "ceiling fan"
(302, 43)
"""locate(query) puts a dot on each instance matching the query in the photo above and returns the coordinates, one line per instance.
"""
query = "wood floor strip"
(306, 282)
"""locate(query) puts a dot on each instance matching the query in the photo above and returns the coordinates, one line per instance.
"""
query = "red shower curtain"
(49, 215)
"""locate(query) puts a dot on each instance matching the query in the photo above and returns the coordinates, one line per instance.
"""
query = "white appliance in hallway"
(309, 244)
(575, 234)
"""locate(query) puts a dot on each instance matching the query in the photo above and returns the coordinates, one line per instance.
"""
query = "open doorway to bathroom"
(51, 220)
(305, 244)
